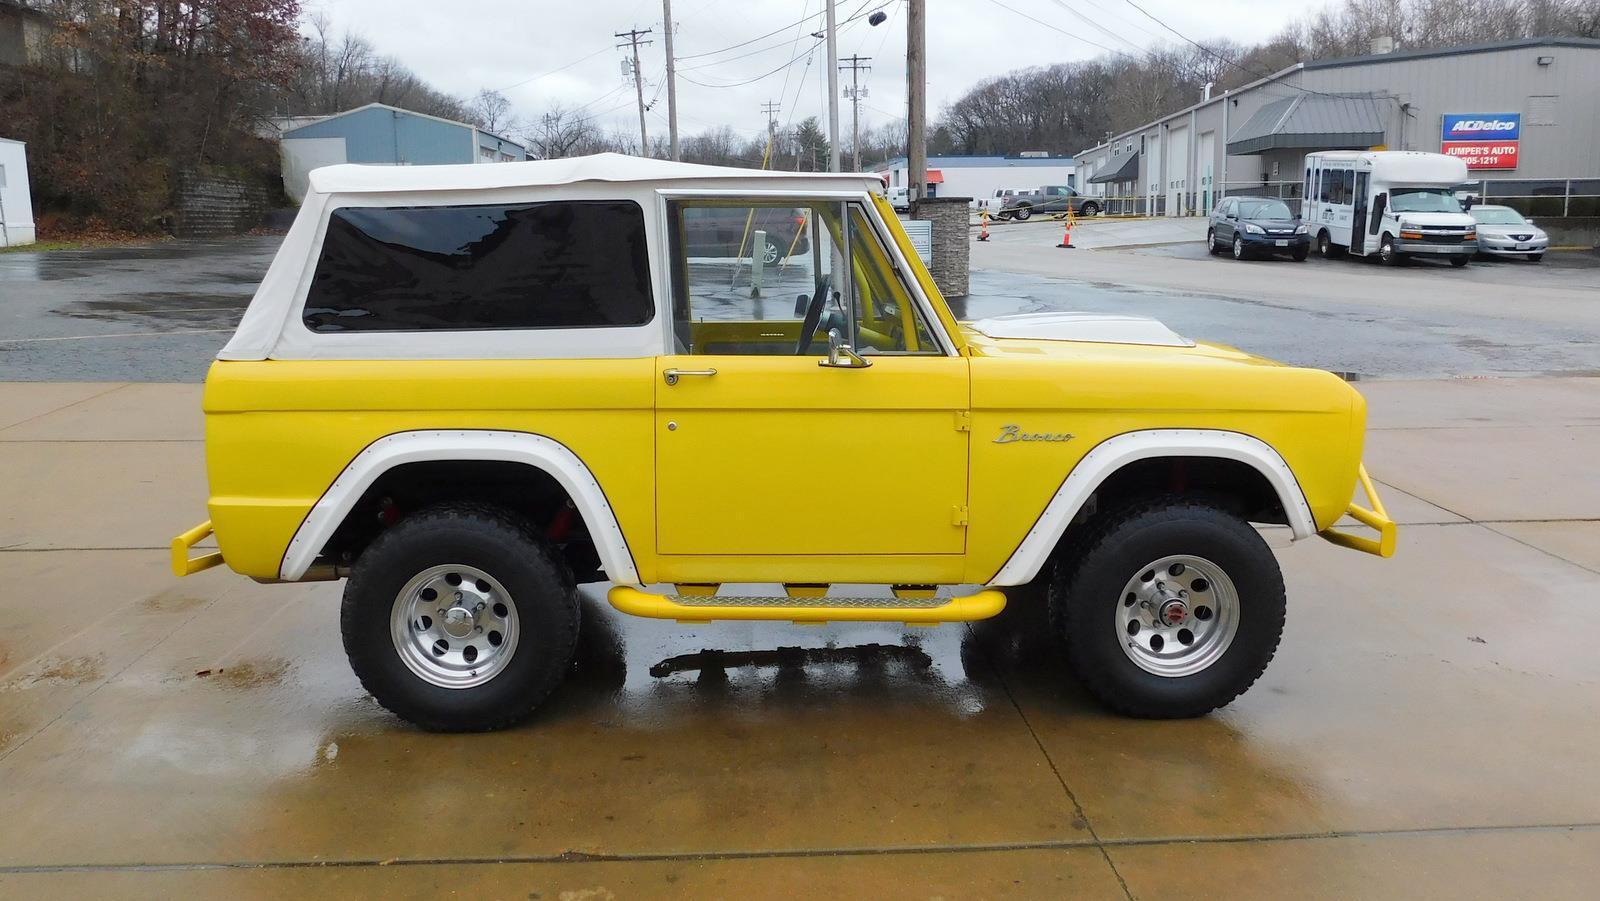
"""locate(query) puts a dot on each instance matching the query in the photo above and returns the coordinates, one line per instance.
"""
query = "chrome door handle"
(672, 375)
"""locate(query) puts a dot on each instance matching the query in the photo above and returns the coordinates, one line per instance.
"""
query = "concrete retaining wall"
(212, 206)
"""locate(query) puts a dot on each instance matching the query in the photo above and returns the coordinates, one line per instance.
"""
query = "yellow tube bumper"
(182, 563)
(1377, 518)
(632, 601)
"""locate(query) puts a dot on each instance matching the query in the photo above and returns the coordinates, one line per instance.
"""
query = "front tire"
(1325, 246)
(1090, 209)
(1022, 213)
(1173, 609)
(1535, 257)
(1238, 247)
(1211, 241)
(1458, 262)
(460, 619)
(1301, 252)
(1386, 252)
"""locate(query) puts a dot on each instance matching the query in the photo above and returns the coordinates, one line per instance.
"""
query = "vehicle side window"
(745, 277)
(564, 264)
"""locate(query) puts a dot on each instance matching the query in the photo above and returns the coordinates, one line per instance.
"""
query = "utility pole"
(633, 36)
(833, 91)
(771, 108)
(917, 99)
(855, 92)
(672, 79)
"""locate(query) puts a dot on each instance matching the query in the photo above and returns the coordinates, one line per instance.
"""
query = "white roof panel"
(351, 178)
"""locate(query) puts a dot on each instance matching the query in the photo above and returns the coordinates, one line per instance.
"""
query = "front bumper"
(1376, 518)
(1270, 242)
(1506, 247)
(182, 563)
(1412, 247)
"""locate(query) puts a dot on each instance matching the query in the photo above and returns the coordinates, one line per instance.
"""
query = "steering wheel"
(813, 317)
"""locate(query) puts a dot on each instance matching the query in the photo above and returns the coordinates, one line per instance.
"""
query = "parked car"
(1048, 199)
(1503, 232)
(1250, 226)
(468, 389)
(899, 198)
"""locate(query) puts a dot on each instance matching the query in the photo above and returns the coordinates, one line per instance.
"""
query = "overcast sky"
(517, 47)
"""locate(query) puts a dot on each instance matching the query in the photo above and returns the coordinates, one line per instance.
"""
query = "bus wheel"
(1388, 254)
(1325, 247)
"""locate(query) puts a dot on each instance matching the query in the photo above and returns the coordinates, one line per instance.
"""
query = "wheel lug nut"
(458, 595)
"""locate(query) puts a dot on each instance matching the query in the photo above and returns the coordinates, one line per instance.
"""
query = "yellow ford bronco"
(467, 389)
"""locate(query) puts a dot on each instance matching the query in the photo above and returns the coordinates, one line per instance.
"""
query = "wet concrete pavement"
(1426, 730)
(161, 311)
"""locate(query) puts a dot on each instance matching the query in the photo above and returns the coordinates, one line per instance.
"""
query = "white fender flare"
(386, 453)
(1114, 453)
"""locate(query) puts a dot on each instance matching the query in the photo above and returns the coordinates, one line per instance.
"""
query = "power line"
(554, 71)
(1054, 28)
(757, 78)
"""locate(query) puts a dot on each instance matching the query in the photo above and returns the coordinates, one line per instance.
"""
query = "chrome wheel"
(1177, 616)
(454, 626)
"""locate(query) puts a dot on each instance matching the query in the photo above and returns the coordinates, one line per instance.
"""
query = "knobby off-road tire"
(522, 628)
(1090, 603)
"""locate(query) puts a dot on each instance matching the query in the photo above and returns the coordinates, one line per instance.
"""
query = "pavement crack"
(1077, 808)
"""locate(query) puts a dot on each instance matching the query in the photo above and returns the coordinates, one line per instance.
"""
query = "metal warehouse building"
(387, 135)
(1525, 115)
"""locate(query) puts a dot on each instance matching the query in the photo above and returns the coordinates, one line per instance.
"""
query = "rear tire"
(437, 599)
(1215, 640)
(1022, 213)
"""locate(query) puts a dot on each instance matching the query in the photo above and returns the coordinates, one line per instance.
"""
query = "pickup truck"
(1048, 199)
(466, 390)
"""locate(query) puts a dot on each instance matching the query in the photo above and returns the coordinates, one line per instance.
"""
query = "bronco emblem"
(1012, 433)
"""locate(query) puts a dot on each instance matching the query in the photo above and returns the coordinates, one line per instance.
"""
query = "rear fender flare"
(401, 448)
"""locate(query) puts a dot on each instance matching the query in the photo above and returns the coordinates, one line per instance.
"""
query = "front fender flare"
(401, 448)
(1116, 452)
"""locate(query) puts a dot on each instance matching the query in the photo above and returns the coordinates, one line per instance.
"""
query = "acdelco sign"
(1482, 127)
(1482, 140)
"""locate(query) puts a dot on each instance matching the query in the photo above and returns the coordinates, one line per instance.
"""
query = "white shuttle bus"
(1390, 203)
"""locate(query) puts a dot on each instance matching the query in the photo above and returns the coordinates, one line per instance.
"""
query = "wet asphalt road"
(159, 312)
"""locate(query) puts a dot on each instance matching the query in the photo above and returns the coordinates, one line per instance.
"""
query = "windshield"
(1424, 200)
(1264, 209)
(1497, 215)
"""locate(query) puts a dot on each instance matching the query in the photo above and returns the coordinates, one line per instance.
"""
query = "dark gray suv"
(1257, 225)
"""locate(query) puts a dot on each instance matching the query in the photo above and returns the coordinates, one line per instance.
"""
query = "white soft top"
(351, 178)
(271, 327)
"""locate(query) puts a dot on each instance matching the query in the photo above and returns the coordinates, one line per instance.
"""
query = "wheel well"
(1234, 486)
(525, 490)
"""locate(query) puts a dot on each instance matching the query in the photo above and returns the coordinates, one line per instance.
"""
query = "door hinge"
(958, 516)
(963, 421)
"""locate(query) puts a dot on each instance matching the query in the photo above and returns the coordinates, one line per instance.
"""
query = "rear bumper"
(1375, 518)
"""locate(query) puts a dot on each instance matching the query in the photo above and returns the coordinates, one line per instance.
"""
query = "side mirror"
(842, 355)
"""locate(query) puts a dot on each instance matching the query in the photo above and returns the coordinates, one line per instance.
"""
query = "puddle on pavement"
(163, 309)
(248, 674)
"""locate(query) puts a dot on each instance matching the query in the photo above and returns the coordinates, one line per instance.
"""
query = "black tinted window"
(567, 264)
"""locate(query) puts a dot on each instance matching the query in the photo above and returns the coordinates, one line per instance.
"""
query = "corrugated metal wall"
(380, 135)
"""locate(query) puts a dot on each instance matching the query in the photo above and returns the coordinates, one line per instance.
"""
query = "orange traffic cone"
(1066, 235)
(983, 230)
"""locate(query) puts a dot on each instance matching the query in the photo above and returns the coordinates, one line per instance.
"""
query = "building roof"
(986, 162)
(601, 167)
(1128, 171)
(1307, 121)
(1370, 59)
(1402, 55)
(289, 131)
(11, 141)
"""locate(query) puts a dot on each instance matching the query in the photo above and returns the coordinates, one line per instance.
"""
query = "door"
(1358, 219)
(1177, 169)
(760, 450)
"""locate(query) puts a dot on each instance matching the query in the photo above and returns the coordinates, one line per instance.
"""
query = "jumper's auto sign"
(1482, 140)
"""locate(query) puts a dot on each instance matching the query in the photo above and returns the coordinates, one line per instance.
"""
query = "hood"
(1445, 220)
(1094, 328)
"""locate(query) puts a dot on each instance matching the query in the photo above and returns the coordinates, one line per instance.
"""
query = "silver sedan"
(1502, 232)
